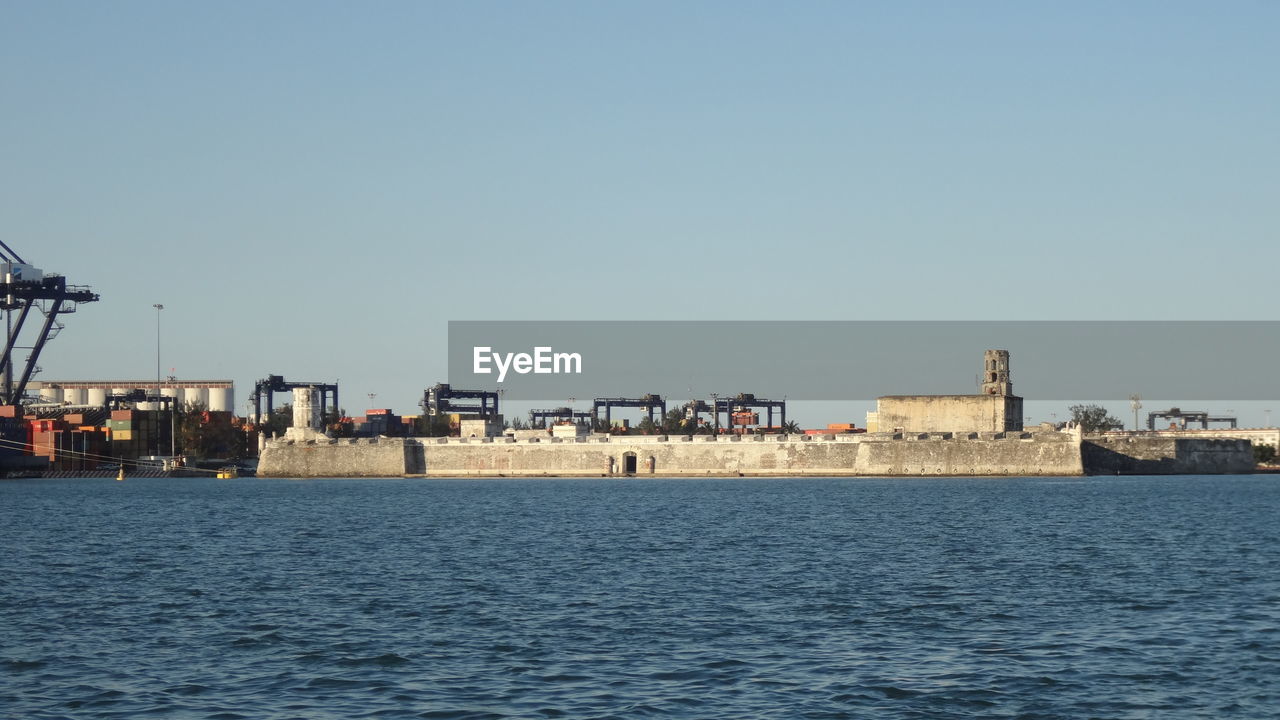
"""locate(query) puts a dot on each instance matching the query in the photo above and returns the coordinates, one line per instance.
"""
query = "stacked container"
(137, 433)
(381, 422)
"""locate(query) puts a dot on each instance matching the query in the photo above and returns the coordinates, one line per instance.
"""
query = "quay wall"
(915, 455)
(877, 454)
(872, 454)
(988, 453)
(1146, 455)
(363, 457)
(669, 457)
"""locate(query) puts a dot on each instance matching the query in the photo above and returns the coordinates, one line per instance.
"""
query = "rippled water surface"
(1097, 597)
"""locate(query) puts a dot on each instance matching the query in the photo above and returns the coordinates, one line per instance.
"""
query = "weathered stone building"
(996, 409)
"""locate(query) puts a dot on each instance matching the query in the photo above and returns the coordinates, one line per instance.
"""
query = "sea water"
(1104, 597)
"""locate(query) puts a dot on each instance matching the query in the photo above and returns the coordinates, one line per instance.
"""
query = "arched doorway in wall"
(629, 463)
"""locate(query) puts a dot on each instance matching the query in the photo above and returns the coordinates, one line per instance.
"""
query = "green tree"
(1264, 454)
(428, 425)
(202, 434)
(647, 426)
(335, 427)
(673, 422)
(1094, 418)
(280, 419)
(791, 427)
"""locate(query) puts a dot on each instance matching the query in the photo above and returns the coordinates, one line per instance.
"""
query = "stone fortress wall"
(881, 454)
(681, 456)
(937, 435)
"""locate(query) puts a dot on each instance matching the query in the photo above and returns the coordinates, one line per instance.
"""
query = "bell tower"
(995, 373)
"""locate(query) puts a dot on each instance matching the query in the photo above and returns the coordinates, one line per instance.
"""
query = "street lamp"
(158, 308)
(172, 423)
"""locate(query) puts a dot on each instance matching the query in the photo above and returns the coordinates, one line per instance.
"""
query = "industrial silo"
(193, 395)
(220, 399)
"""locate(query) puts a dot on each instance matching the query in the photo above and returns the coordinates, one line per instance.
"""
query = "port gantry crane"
(441, 399)
(693, 411)
(23, 287)
(743, 402)
(272, 384)
(1188, 416)
(649, 404)
(538, 418)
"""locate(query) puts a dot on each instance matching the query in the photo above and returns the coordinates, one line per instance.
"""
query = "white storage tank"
(220, 399)
(96, 396)
(51, 394)
(191, 396)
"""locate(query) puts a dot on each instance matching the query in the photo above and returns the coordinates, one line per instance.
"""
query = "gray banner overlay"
(858, 360)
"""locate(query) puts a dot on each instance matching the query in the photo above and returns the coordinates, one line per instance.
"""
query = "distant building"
(1257, 436)
(996, 409)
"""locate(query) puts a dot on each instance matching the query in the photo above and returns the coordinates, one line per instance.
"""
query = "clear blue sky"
(314, 189)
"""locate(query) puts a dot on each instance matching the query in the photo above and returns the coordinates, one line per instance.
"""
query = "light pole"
(158, 308)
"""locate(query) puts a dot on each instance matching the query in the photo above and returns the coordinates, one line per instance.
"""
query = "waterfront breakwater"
(872, 454)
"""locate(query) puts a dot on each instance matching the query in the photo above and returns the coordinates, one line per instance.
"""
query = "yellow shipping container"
(122, 435)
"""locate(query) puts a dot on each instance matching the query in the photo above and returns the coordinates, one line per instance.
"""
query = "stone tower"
(995, 373)
(306, 416)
